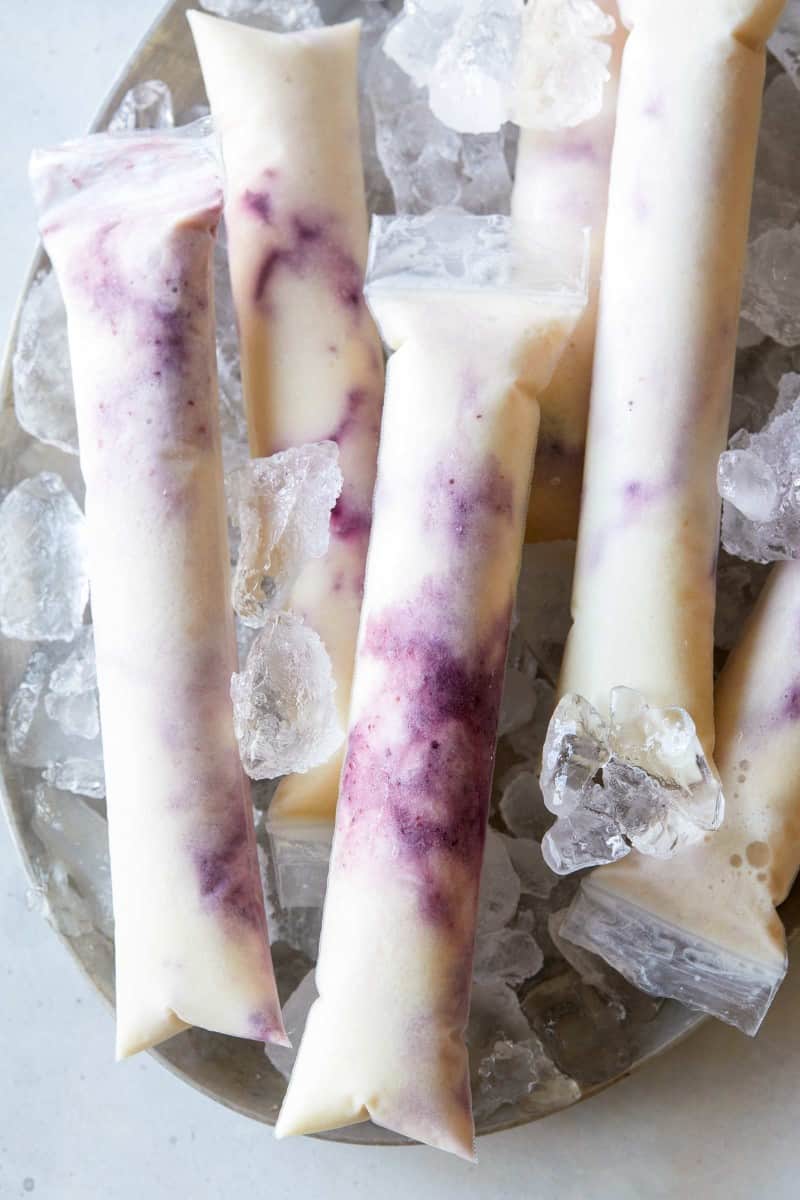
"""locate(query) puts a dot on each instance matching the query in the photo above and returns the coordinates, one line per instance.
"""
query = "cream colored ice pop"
(385, 1039)
(561, 177)
(286, 109)
(681, 177)
(129, 224)
(703, 927)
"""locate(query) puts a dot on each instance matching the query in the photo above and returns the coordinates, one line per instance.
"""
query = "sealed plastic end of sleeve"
(664, 960)
(448, 249)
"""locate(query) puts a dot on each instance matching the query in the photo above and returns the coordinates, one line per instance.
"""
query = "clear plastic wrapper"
(465, 312)
(129, 224)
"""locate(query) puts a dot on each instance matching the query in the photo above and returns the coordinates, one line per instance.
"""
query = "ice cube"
(528, 742)
(518, 703)
(785, 41)
(543, 600)
(535, 877)
(281, 507)
(284, 713)
(375, 18)
(146, 105)
(738, 588)
(582, 1031)
(44, 583)
(72, 697)
(426, 164)
(776, 195)
(509, 1064)
(77, 836)
(641, 780)
(758, 480)
(279, 16)
(295, 1015)
(469, 82)
(771, 297)
(749, 484)
(562, 66)
(500, 886)
(44, 402)
(301, 858)
(510, 955)
(85, 776)
(522, 806)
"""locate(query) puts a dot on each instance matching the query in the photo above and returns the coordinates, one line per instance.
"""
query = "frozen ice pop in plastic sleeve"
(562, 176)
(681, 180)
(475, 333)
(285, 107)
(703, 928)
(129, 225)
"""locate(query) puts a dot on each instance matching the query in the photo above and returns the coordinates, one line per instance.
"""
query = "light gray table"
(716, 1118)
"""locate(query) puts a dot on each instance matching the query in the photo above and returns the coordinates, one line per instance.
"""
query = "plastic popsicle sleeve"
(561, 177)
(285, 107)
(702, 927)
(681, 179)
(475, 325)
(129, 224)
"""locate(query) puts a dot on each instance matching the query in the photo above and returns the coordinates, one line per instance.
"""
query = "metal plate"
(233, 1072)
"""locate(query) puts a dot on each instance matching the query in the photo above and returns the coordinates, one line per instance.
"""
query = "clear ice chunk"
(785, 41)
(284, 714)
(44, 402)
(528, 742)
(146, 105)
(281, 507)
(640, 780)
(75, 835)
(44, 582)
(582, 1031)
(522, 806)
(535, 877)
(469, 83)
(500, 887)
(509, 1064)
(771, 297)
(518, 703)
(301, 858)
(562, 66)
(510, 955)
(72, 699)
(278, 16)
(758, 481)
(738, 588)
(776, 194)
(543, 599)
(428, 165)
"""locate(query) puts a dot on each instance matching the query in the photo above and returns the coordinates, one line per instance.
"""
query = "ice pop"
(562, 176)
(703, 927)
(286, 109)
(473, 344)
(681, 177)
(129, 225)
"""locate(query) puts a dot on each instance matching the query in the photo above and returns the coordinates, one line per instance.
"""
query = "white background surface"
(718, 1117)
